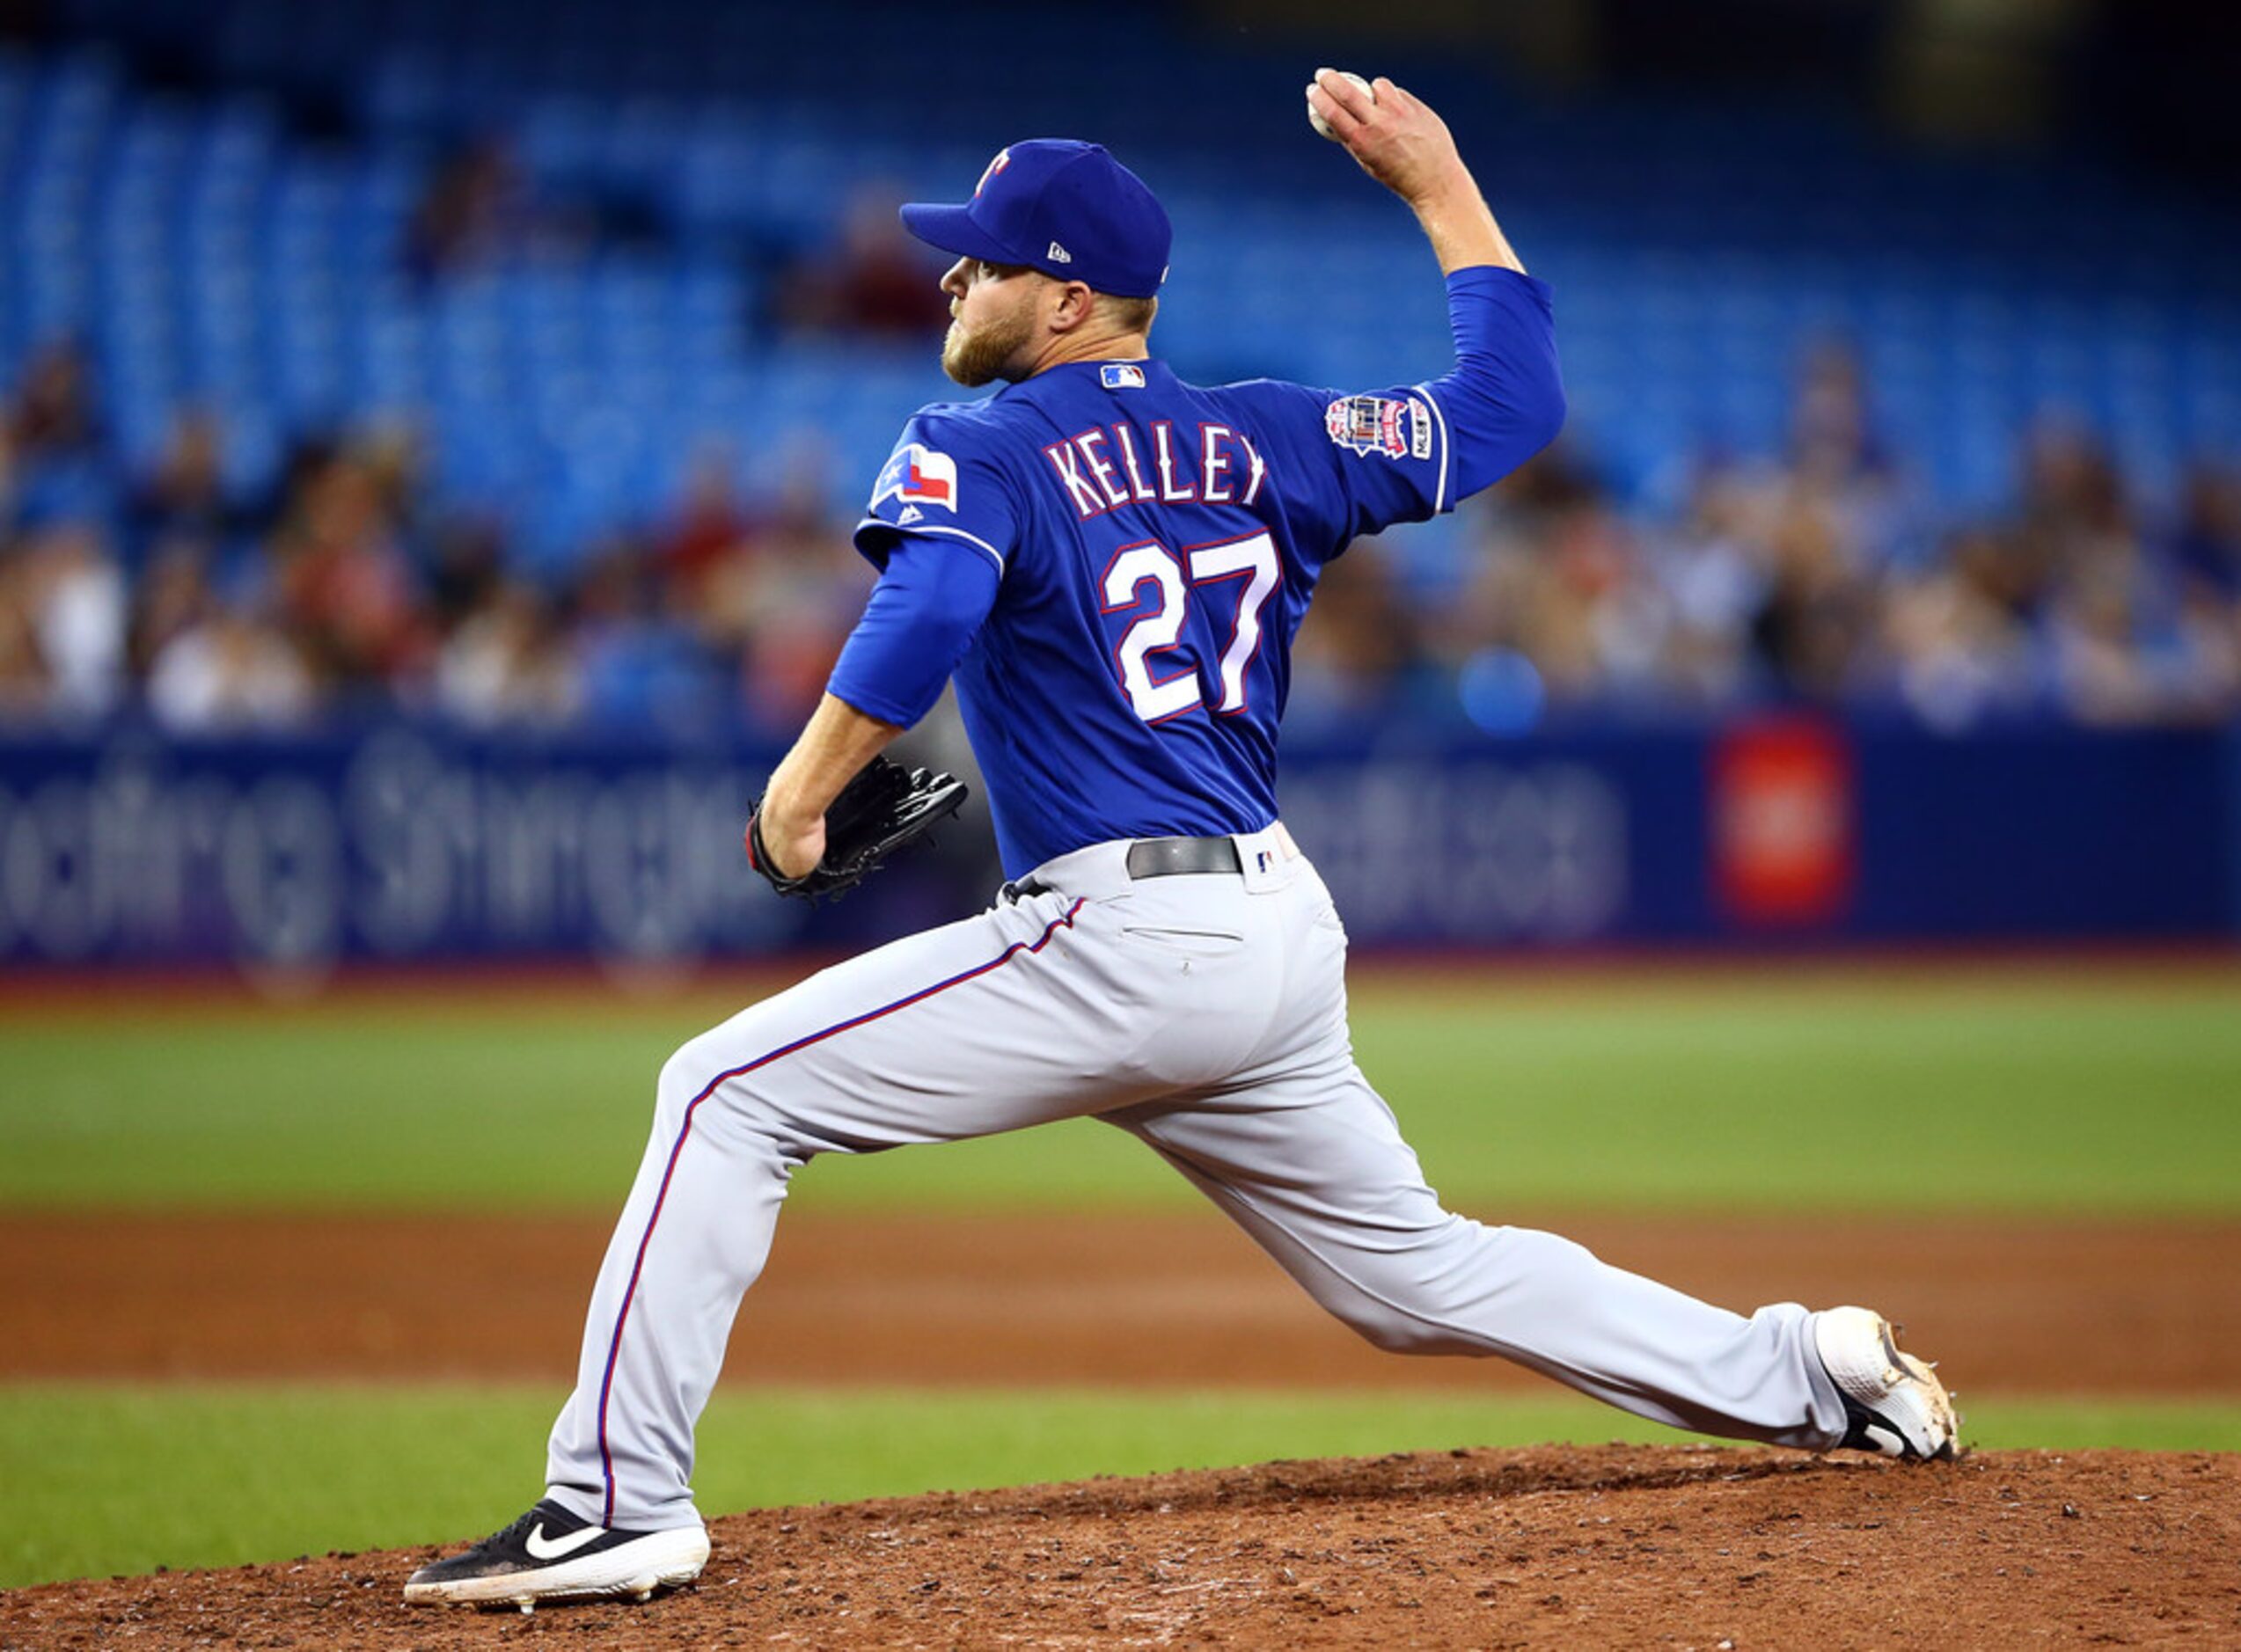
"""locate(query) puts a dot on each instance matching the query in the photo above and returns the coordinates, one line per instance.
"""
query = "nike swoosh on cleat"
(539, 1549)
(1889, 1441)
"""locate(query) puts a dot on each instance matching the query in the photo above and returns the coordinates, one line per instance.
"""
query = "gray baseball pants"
(1206, 1014)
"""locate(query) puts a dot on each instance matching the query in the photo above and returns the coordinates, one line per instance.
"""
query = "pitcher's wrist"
(1452, 190)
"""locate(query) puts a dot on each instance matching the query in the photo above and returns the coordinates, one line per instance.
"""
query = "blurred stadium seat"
(219, 201)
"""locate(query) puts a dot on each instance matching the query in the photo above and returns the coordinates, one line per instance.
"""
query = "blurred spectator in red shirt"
(345, 584)
(877, 280)
(793, 607)
(709, 528)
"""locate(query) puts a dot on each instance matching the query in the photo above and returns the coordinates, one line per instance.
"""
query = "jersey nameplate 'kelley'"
(1209, 465)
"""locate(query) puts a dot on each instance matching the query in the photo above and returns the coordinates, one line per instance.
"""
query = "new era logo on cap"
(1066, 207)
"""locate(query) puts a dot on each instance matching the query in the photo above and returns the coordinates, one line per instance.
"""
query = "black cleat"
(549, 1555)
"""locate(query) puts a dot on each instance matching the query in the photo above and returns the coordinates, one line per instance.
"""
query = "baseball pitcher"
(1111, 563)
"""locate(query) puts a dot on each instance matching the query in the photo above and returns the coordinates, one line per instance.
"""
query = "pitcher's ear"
(1076, 303)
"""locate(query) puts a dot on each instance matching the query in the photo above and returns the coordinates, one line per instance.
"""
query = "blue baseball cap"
(1066, 207)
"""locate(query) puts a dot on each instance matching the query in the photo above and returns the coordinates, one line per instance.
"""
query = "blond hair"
(1130, 315)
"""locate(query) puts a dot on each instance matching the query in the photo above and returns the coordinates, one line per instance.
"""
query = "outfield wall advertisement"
(412, 841)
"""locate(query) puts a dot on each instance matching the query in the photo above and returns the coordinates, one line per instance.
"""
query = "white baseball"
(1322, 127)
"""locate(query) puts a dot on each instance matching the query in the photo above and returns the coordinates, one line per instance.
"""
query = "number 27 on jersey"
(1159, 586)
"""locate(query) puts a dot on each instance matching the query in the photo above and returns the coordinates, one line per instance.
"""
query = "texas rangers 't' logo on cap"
(1060, 206)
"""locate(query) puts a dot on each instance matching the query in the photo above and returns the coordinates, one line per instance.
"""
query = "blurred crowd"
(345, 592)
(1824, 577)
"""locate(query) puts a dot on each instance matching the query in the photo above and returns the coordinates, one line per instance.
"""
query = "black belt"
(1157, 858)
(1172, 857)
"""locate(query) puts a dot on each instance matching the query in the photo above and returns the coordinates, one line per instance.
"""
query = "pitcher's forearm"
(839, 741)
(1460, 225)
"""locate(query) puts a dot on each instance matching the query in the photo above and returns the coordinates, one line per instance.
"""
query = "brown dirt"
(2011, 1307)
(1615, 1545)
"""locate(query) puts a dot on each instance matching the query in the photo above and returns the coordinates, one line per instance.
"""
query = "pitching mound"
(1554, 1546)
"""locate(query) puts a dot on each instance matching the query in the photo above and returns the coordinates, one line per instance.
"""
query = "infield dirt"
(1612, 1546)
(1615, 1545)
(2016, 1307)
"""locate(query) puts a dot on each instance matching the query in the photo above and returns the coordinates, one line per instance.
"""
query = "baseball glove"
(884, 808)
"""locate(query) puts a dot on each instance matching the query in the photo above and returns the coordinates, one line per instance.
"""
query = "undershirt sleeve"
(931, 599)
(1504, 399)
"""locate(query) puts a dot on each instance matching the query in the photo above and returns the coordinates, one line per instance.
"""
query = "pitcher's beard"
(974, 359)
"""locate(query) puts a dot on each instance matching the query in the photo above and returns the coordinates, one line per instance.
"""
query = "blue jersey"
(1155, 546)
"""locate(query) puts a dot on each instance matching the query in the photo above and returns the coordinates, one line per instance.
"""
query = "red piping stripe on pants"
(614, 1347)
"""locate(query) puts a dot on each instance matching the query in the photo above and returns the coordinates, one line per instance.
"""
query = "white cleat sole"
(658, 1560)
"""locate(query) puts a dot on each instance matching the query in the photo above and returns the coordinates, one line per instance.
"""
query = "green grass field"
(2114, 1092)
(2030, 1092)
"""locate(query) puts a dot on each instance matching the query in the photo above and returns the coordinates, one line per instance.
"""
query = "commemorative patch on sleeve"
(918, 475)
(1390, 425)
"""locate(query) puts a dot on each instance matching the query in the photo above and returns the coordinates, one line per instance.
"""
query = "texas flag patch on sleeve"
(918, 475)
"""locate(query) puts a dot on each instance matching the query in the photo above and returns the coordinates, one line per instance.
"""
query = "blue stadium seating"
(208, 251)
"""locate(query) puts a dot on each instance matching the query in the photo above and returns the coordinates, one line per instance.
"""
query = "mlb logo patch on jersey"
(918, 475)
(1121, 375)
(1373, 423)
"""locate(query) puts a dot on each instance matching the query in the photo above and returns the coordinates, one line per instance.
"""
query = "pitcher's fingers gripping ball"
(885, 808)
(1394, 137)
(1314, 118)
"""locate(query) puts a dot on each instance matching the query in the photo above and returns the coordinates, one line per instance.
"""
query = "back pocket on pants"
(1188, 943)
